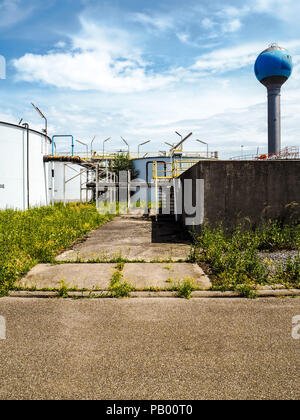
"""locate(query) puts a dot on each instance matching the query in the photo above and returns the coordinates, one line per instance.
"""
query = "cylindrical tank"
(14, 189)
(70, 182)
(272, 68)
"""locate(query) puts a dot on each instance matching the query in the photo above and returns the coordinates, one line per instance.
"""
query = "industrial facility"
(34, 173)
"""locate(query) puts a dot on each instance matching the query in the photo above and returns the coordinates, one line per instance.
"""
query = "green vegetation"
(118, 287)
(290, 273)
(185, 287)
(121, 163)
(39, 234)
(233, 261)
(63, 290)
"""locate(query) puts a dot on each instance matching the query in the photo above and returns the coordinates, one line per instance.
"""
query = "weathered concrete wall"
(254, 189)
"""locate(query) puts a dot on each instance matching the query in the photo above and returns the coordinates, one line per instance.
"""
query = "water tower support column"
(274, 117)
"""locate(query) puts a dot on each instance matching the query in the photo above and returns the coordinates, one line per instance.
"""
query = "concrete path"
(98, 276)
(134, 239)
(149, 349)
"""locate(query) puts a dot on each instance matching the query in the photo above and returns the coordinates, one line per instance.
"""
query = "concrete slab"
(98, 276)
(81, 276)
(160, 275)
(109, 252)
(132, 238)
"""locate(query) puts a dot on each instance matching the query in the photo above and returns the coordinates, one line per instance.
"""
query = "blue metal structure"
(272, 68)
(273, 62)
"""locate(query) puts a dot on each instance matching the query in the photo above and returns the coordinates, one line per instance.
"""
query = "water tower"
(273, 67)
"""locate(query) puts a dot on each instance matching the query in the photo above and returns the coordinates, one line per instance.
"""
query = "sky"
(144, 69)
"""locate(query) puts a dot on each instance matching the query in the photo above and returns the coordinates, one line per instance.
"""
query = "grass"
(118, 287)
(39, 234)
(289, 273)
(185, 288)
(232, 258)
(63, 290)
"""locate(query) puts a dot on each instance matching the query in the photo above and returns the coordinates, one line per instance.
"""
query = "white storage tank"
(23, 173)
(69, 182)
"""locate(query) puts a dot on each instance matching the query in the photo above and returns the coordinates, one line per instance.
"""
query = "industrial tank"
(69, 182)
(23, 173)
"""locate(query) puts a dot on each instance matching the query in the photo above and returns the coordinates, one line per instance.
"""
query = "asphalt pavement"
(149, 349)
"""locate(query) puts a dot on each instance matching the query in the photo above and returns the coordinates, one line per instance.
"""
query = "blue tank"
(273, 65)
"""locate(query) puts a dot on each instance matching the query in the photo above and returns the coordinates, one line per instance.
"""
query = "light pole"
(203, 142)
(43, 116)
(169, 144)
(109, 138)
(242, 150)
(94, 138)
(142, 144)
(126, 145)
(178, 134)
(182, 141)
(84, 144)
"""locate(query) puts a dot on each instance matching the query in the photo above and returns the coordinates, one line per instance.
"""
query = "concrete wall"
(254, 189)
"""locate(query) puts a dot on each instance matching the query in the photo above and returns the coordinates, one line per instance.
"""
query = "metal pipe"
(65, 184)
(26, 125)
(52, 184)
(97, 186)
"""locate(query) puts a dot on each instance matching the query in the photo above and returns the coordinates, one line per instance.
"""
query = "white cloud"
(224, 60)
(284, 10)
(14, 11)
(158, 22)
(101, 58)
(232, 25)
(208, 23)
(227, 59)
(60, 44)
(183, 37)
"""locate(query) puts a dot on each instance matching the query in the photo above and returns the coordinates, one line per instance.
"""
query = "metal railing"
(287, 153)
(170, 170)
(134, 155)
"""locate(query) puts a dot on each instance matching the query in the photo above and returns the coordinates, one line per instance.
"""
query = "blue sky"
(143, 69)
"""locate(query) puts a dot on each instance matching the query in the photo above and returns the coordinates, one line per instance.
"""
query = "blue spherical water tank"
(273, 63)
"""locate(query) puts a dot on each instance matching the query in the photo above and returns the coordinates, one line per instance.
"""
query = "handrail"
(62, 135)
(173, 169)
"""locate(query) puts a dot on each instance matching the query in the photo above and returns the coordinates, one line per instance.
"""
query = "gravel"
(280, 257)
(275, 259)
